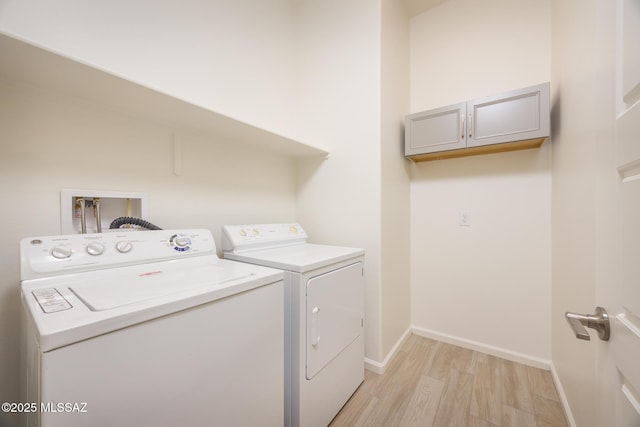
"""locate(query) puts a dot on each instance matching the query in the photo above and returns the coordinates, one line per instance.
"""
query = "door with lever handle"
(598, 321)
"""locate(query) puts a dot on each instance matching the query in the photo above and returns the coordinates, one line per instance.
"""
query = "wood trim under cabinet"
(484, 149)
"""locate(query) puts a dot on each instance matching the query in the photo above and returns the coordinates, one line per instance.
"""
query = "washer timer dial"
(180, 243)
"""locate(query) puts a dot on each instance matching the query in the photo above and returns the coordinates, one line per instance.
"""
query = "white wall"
(235, 58)
(464, 49)
(487, 285)
(51, 142)
(395, 171)
(339, 198)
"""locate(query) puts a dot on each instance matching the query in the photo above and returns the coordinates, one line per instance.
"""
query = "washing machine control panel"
(81, 252)
(239, 238)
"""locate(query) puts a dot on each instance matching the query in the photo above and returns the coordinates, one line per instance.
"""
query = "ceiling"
(416, 7)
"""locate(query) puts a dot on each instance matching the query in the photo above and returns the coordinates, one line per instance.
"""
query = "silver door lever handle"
(598, 321)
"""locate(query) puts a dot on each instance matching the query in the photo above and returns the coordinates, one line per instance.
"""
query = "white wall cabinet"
(514, 120)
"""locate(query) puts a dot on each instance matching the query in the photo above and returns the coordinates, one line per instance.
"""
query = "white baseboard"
(484, 348)
(381, 367)
(563, 397)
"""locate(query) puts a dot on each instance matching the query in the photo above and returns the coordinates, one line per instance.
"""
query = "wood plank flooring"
(431, 383)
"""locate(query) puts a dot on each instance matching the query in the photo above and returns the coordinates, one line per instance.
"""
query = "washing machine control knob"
(61, 252)
(124, 246)
(182, 241)
(95, 248)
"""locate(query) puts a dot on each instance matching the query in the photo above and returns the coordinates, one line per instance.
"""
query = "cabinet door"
(435, 130)
(512, 116)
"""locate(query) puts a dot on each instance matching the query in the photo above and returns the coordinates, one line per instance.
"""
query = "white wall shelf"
(25, 63)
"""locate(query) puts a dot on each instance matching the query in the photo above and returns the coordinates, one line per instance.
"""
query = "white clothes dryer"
(149, 328)
(324, 315)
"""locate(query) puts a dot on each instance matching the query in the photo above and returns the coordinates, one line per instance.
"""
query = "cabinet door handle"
(462, 131)
(470, 124)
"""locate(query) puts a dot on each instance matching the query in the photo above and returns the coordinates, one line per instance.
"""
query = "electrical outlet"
(111, 204)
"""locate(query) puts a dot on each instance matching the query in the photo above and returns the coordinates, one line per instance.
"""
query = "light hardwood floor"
(431, 383)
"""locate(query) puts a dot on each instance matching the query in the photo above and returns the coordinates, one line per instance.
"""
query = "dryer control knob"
(60, 252)
(124, 246)
(95, 248)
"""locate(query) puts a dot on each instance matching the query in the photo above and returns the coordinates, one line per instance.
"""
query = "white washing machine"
(324, 317)
(149, 328)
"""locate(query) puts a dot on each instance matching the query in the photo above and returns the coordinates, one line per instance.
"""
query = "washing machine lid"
(106, 293)
(71, 308)
(298, 258)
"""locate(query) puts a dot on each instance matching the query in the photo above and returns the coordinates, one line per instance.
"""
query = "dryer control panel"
(64, 254)
(242, 238)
